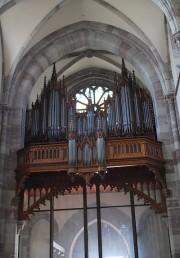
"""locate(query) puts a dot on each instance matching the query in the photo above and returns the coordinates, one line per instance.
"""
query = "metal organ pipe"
(44, 117)
(125, 114)
(72, 152)
(72, 129)
(90, 122)
(138, 115)
(63, 117)
(86, 155)
(110, 118)
(100, 142)
(35, 119)
(118, 114)
(79, 125)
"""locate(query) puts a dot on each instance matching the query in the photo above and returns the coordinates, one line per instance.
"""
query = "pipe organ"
(125, 110)
(96, 136)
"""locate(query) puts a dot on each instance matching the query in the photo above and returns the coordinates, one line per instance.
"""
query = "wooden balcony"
(132, 164)
(53, 157)
(134, 151)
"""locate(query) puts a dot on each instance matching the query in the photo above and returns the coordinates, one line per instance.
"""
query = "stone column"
(4, 119)
(23, 239)
(0, 118)
(175, 131)
(8, 211)
(173, 203)
(12, 135)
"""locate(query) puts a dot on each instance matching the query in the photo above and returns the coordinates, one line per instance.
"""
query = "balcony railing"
(41, 167)
(119, 152)
(134, 151)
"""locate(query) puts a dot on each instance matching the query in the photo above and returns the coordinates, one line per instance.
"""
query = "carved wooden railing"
(43, 171)
(53, 157)
(134, 151)
(43, 155)
(126, 151)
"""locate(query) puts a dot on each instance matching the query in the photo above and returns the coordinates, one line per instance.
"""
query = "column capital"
(5, 107)
(164, 217)
(176, 39)
(20, 226)
(169, 95)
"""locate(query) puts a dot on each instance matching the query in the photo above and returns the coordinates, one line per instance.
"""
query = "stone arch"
(90, 76)
(91, 35)
(74, 224)
(26, 232)
(150, 229)
(168, 8)
(5, 5)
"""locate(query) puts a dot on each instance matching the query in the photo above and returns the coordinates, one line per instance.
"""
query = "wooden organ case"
(110, 141)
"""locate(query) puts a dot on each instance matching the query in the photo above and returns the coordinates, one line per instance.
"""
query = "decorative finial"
(54, 68)
(54, 74)
(130, 78)
(63, 82)
(44, 82)
(124, 70)
(134, 77)
(115, 77)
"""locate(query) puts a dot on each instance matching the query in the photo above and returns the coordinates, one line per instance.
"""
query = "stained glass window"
(94, 95)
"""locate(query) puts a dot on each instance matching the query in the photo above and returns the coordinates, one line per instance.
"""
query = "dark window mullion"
(99, 221)
(51, 226)
(134, 225)
(85, 221)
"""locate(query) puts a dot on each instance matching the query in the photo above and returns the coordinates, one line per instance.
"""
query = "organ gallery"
(94, 143)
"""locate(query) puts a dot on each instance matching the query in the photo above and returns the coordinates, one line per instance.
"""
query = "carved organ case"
(95, 140)
(90, 117)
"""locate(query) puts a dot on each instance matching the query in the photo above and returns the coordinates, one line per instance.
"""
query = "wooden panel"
(53, 157)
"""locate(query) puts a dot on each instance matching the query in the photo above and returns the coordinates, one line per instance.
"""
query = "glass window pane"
(39, 236)
(69, 200)
(117, 236)
(92, 233)
(95, 94)
(150, 229)
(69, 233)
(91, 197)
(114, 198)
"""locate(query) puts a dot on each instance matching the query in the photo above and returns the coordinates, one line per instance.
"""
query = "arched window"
(94, 95)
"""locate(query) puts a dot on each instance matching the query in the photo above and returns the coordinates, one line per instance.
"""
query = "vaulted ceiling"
(84, 37)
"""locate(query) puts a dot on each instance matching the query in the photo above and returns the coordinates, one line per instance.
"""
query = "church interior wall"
(21, 69)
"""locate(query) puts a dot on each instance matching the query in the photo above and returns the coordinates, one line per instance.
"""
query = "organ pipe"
(54, 116)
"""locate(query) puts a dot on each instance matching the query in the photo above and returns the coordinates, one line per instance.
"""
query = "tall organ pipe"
(128, 112)
(54, 114)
